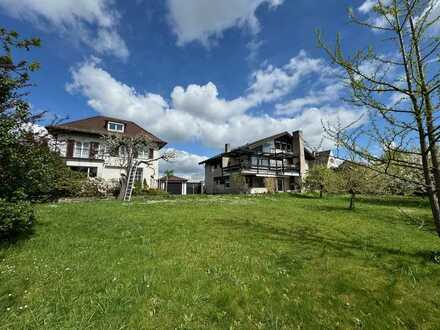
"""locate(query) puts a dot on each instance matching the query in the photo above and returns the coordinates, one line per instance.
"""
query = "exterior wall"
(211, 172)
(110, 168)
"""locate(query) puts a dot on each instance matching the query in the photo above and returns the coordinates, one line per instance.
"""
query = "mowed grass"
(225, 262)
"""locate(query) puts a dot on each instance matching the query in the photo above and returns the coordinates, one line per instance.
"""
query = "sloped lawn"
(225, 262)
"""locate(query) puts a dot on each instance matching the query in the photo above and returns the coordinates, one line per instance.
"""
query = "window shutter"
(94, 149)
(151, 153)
(70, 146)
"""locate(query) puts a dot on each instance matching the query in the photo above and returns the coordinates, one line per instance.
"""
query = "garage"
(173, 185)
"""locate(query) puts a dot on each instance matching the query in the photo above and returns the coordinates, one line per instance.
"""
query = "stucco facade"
(85, 150)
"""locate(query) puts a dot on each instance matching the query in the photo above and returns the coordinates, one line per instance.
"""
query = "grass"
(225, 262)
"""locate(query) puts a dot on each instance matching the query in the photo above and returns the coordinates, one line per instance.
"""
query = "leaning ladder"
(130, 181)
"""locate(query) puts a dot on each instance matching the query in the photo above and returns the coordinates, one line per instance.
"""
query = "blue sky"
(197, 73)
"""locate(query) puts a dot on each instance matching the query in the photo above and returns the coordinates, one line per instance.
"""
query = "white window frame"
(115, 129)
(81, 149)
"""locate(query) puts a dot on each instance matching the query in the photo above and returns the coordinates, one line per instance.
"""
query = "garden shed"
(173, 184)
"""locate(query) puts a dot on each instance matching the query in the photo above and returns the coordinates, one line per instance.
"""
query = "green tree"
(318, 179)
(168, 174)
(355, 179)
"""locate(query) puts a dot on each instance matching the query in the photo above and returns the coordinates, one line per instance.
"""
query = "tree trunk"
(320, 191)
(352, 197)
(433, 150)
(123, 187)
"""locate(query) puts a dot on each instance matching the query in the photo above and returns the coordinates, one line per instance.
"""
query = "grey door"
(175, 188)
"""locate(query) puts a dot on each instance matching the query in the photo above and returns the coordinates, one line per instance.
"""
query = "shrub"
(97, 187)
(155, 192)
(15, 218)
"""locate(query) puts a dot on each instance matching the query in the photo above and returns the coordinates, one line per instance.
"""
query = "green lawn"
(224, 262)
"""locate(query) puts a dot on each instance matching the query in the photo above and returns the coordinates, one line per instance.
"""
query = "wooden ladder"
(130, 181)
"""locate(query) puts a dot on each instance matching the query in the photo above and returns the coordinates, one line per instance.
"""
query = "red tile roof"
(173, 178)
(98, 126)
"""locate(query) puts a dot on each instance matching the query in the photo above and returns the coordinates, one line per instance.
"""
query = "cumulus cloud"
(200, 20)
(197, 113)
(92, 22)
(185, 165)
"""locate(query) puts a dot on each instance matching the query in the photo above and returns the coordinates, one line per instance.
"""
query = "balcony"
(271, 170)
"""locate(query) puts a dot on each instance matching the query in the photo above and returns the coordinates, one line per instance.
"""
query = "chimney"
(227, 147)
(298, 149)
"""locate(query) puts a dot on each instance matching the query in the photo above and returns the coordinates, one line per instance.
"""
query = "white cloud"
(367, 6)
(201, 20)
(329, 94)
(93, 22)
(198, 114)
(185, 165)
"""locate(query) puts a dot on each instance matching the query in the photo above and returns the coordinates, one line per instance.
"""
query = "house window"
(147, 153)
(82, 150)
(227, 182)
(91, 172)
(115, 127)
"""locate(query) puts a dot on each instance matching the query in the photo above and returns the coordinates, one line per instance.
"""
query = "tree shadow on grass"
(311, 240)
(15, 240)
(398, 201)
(393, 215)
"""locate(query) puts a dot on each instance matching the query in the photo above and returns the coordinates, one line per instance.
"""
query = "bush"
(15, 218)
(155, 192)
(97, 187)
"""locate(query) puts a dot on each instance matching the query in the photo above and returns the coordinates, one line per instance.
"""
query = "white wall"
(111, 168)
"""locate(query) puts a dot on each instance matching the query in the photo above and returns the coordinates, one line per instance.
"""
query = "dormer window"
(115, 127)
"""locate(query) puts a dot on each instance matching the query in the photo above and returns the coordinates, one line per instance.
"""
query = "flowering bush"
(97, 187)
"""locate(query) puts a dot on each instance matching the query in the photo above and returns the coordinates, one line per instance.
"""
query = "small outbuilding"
(173, 185)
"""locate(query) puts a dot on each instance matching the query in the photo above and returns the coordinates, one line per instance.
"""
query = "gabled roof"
(173, 178)
(245, 148)
(98, 126)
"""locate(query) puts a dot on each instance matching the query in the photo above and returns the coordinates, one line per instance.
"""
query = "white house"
(80, 143)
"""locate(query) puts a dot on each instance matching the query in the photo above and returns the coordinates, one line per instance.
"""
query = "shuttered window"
(82, 150)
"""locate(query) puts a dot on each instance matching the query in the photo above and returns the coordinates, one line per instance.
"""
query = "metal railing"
(262, 168)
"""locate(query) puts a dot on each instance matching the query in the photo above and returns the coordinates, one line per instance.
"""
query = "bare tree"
(397, 94)
(125, 150)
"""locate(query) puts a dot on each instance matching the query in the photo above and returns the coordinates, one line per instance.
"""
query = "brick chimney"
(298, 149)
(227, 147)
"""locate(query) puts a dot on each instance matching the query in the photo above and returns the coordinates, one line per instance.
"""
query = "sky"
(196, 73)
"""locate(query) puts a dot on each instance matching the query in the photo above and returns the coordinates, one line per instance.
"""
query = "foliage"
(319, 178)
(238, 183)
(169, 173)
(270, 184)
(354, 179)
(96, 187)
(222, 262)
(16, 218)
(154, 192)
(31, 167)
(19, 170)
(400, 89)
